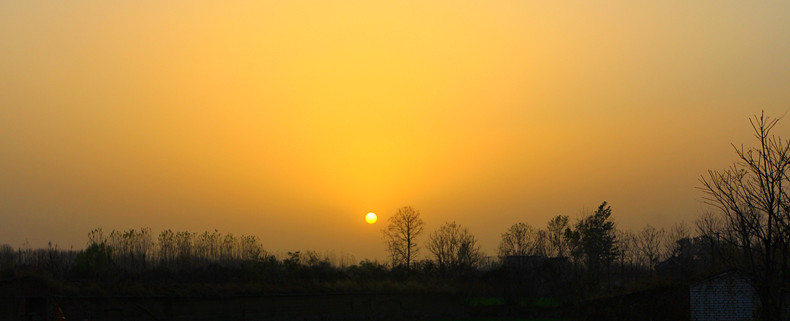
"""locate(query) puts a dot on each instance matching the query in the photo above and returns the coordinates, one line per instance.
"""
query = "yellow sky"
(290, 120)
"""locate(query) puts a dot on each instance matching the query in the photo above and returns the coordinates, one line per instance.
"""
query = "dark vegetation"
(582, 264)
(529, 277)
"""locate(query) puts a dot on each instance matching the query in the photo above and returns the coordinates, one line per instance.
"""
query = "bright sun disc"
(371, 218)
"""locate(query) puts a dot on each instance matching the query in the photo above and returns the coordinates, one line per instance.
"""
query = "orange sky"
(290, 120)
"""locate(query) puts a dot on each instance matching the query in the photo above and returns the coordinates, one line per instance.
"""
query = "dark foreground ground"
(660, 304)
(282, 307)
(28, 299)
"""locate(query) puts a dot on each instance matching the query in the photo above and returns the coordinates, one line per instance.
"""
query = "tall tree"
(595, 241)
(401, 234)
(752, 198)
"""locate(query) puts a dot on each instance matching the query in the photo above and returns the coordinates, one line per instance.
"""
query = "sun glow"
(371, 218)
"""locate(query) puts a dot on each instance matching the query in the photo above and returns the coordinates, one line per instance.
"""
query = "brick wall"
(726, 297)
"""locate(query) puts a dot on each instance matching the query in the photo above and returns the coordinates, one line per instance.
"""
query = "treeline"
(588, 257)
(182, 255)
(565, 259)
(136, 261)
(749, 232)
(595, 242)
(138, 250)
(568, 260)
(591, 256)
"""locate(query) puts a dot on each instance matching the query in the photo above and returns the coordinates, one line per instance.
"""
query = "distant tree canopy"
(649, 241)
(521, 239)
(555, 232)
(218, 258)
(454, 247)
(96, 260)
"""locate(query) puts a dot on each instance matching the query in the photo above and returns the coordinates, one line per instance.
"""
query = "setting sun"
(568, 154)
(371, 218)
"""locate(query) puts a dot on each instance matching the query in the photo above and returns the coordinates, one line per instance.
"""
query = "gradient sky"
(290, 120)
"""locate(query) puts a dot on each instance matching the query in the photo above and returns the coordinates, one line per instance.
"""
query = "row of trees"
(593, 241)
(136, 250)
(452, 245)
(595, 237)
(749, 231)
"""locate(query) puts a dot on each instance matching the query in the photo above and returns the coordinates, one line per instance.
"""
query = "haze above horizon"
(292, 120)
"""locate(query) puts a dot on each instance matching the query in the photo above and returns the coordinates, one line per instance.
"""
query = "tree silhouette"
(401, 234)
(752, 198)
(649, 242)
(95, 261)
(521, 239)
(595, 241)
(555, 231)
(454, 247)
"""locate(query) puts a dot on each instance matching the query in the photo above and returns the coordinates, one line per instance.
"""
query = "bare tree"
(713, 232)
(167, 248)
(555, 232)
(250, 248)
(752, 198)
(650, 241)
(521, 239)
(672, 239)
(401, 234)
(228, 248)
(454, 247)
(542, 244)
(96, 236)
(131, 248)
(627, 249)
(207, 246)
(184, 250)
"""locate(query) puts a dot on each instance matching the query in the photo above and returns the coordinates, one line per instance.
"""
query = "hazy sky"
(290, 120)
